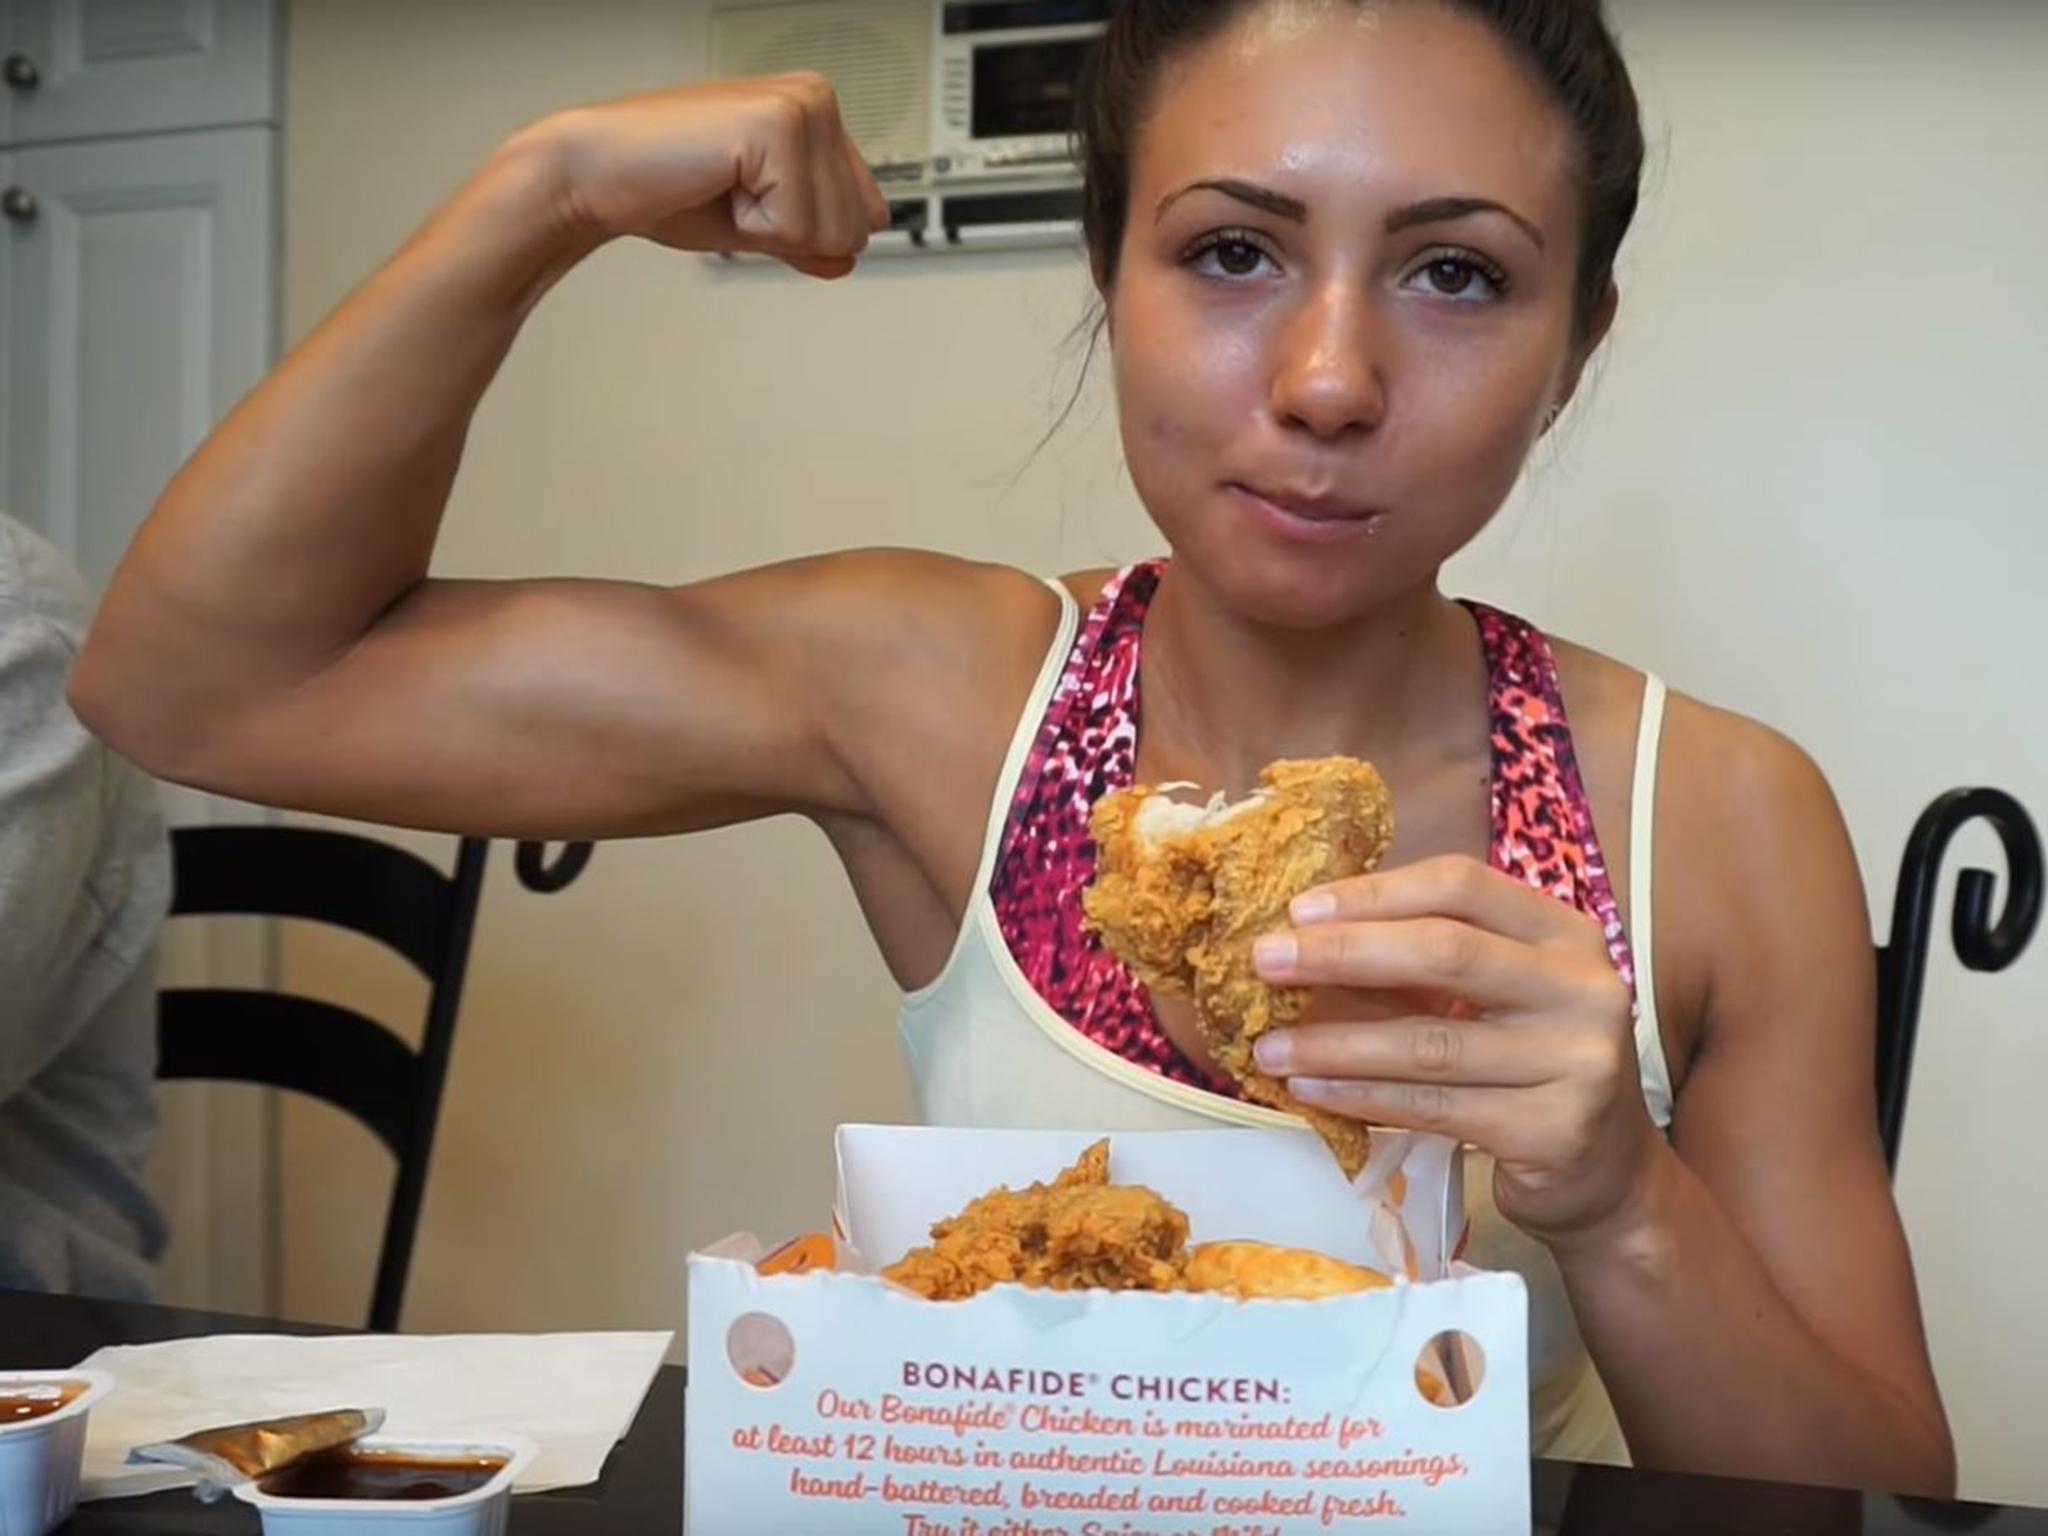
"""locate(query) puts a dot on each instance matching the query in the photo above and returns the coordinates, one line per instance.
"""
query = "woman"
(1353, 262)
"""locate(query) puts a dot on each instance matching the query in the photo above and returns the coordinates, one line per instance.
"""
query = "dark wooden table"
(641, 1492)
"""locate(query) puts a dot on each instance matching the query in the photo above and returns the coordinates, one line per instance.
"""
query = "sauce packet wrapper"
(232, 1454)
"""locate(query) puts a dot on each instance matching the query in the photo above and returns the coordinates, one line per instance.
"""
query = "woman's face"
(1343, 308)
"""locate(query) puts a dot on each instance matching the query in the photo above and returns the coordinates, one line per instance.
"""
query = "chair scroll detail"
(1982, 943)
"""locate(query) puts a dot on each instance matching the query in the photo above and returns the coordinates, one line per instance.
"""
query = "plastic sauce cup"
(41, 1457)
(480, 1511)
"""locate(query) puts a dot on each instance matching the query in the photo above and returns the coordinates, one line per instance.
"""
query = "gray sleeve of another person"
(84, 884)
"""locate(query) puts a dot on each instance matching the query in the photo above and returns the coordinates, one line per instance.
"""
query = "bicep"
(1777, 1115)
(557, 709)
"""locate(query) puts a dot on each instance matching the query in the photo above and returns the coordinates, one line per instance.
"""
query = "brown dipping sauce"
(380, 1475)
(38, 1399)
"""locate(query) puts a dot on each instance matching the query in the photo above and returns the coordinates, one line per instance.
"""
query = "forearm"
(1711, 1370)
(314, 507)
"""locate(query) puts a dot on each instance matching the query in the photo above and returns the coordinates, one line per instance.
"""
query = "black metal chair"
(1982, 945)
(316, 1048)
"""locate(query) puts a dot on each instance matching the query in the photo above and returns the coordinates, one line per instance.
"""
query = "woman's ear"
(1597, 326)
(1104, 292)
(1603, 318)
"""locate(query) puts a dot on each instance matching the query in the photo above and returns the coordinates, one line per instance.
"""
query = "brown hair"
(1567, 42)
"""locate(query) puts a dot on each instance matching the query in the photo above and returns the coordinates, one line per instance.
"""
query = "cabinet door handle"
(20, 72)
(18, 204)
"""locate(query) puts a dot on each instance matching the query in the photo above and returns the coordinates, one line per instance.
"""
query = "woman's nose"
(1328, 374)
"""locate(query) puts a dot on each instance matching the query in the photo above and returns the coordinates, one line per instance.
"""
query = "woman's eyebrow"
(1276, 203)
(1431, 210)
(1442, 210)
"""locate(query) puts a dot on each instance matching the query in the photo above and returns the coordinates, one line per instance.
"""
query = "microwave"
(963, 109)
(1005, 77)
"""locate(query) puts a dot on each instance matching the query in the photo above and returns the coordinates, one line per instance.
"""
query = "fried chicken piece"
(1246, 1270)
(1080, 1232)
(1182, 892)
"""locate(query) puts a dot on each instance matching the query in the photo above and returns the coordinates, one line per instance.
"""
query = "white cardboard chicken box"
(831, 1401)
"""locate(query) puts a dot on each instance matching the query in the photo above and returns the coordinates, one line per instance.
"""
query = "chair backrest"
(331, 1053)
(1982, 945)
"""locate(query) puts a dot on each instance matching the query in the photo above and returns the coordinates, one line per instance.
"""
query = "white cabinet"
(76, 69)
(139, 309)
(138, 280)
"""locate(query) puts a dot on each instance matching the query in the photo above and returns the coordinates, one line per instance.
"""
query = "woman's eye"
(1230, 257)
(1462, 278)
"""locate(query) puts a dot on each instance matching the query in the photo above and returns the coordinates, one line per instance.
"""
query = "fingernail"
(1315, 907)
(1274, 1053)
(1313, 1090)
(1276, 954)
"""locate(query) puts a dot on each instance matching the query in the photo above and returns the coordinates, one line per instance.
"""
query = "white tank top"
(985, 1050)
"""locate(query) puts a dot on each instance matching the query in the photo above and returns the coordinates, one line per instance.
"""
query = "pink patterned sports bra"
(1086, 746)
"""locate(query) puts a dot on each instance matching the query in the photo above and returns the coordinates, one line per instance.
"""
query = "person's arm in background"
(84, 881)
(48, 822)
(52, 784)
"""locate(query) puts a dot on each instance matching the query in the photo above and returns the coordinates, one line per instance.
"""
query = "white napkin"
(573, 1394)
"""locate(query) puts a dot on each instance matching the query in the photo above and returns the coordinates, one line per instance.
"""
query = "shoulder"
(845, 617)
(910, 664)
(44, 609)
(60, 788)
(1756, 824)
(1085, 587)
(1757, 880)
(939, 615)
(1600, 689)
(1736, 768)
(1726, 776)
(39, 589)
(918, 586)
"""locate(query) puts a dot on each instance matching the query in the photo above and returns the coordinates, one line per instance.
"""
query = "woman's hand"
(1510, 1029)
(761, 165)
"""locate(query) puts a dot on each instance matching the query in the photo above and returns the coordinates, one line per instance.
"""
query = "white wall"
(1805, 485)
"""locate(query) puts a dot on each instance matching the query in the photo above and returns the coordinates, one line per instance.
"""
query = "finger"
(815, 143)
(827, 267)
(1354, 1005)
(1480, 1116)
(873, 204)
(1452, 886)
(1415, 1050)
(842, 221)
(1434, 953)
(847, 224)
(709, 228)
(774, 206)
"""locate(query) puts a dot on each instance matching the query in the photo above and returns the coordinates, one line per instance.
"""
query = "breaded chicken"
(1182, 892)
(1079, 1232)
(1246, 1270)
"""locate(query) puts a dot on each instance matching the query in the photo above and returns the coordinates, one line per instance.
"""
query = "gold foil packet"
(240, 1453)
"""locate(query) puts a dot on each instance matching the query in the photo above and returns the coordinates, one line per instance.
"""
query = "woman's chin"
(1295, 589)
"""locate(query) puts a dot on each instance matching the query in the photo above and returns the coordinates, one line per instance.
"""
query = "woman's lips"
(1311, 520)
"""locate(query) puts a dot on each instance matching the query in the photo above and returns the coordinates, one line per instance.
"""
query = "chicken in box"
(1178, 1333)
